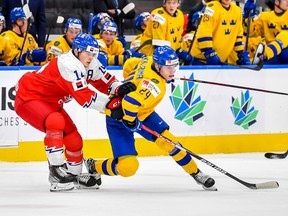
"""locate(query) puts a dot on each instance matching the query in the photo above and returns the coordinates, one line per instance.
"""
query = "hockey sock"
(273, 49)
(106, 167)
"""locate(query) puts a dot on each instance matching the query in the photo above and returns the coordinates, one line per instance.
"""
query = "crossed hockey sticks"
(232, 86)
(264, 185)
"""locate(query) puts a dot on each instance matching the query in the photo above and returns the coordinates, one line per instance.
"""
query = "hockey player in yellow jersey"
(274, 26)
(62, 44)
(30, 54)
(219, 33)
(140, 24)
(97, 22)
(5, 49)
(165, 27)
(150, 76)
(108, 42)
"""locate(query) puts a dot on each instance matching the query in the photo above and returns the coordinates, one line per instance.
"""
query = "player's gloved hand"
(103, 58)
(114, 108)
(37, 55)
(21, 62)
(243, 58)
(125, 89)
(3, 63)
(185, 56)
(212, 58)
(133, 53)
(122, 40)
(195, 18)
(249, 6)
(132, 126)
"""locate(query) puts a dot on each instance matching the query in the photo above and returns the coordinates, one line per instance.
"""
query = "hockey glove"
(3, 63)
(103, 58)
(133, 53)
(243, 58)
(122, 40)
(125, 89)
(212, 58)
(185, 56)
(132, 126)
(195, 19)
(114, 108)
(37, 55)
(249, 6)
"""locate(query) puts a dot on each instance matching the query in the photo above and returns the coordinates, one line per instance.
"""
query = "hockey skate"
(60, 179)
(259, 54)
(205, 180)
(87, 181)
(90, 166)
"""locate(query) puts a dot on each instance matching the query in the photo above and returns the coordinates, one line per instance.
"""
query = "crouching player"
(150, 76)
(40, 96)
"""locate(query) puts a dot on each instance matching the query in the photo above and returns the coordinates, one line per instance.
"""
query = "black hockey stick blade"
(263, 185)
(258, 67)
(271, 155)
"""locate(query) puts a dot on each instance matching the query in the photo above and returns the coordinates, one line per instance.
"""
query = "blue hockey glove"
(125, 89)
(114, 108)
(185, 56)
(212, 58)
(133, 53)
(3, 63)
(249, 6)
(243, 58)
(132, 126)
(195, 19)
(122, 40)
(37, 55)
(103, 58)
(21, 62)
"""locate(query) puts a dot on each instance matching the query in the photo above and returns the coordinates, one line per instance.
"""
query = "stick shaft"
(233, 86)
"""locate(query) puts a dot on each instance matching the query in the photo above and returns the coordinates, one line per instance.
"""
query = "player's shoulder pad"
(68, 65)
(209, 10)
(158, 16)
(101, 43)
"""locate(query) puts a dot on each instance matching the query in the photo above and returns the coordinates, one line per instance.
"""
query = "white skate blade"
(60, 187)
(79, 186)
(213, 188)
(259, 54)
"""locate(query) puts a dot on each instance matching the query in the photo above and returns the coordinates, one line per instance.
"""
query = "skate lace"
(84, 178)
(201, 177)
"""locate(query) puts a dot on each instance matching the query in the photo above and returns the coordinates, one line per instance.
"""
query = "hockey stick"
(147, 42)
(231, 86)
(28, 15)
(129, 7)
(264, 185)
(271, 155)
(90, 23)
(59, 20)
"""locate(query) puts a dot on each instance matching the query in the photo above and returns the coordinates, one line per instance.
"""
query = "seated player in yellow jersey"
(97, 22)
(22, 52)
(150, 76)
(108, 42)
(219, 33)
(165, 27)
(274, 26)
(62, 44)
(5, 50)
(140, 24)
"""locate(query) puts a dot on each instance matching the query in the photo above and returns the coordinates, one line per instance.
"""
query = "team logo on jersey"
(209, 11)
(158, 18)
(244, 114)
(155, 91)
(79, 84)
(57, 43)
(155, 80)
(187, 106)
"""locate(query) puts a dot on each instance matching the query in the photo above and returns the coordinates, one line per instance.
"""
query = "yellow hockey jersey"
(151, 88)
(163, 29)
(16, 43)
(269, 25)
(56, 47)
(220, 29)
(5, 51)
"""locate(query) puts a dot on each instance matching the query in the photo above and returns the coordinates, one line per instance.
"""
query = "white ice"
(160, 187)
